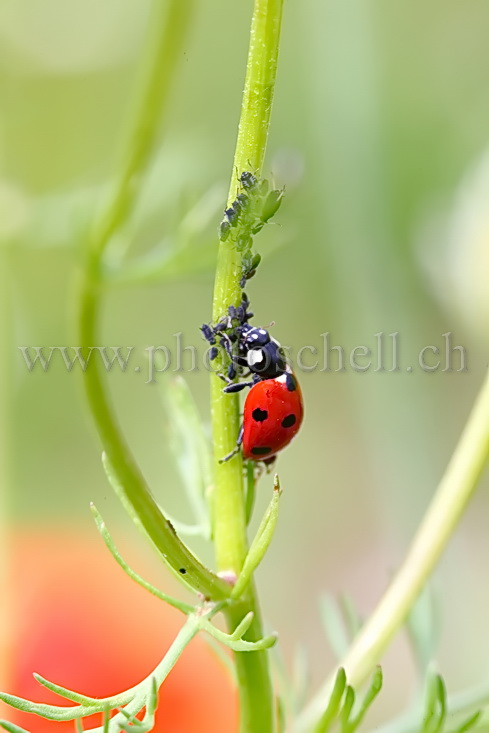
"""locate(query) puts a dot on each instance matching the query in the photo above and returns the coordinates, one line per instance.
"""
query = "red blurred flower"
(81, 622)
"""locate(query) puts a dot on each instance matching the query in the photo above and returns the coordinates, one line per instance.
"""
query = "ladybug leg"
(231, 385)
(226, 343)
(236, 449)
(236, 386)
(224, 378)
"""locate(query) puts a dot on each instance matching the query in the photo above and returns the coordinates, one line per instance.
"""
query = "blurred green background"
(379, 131)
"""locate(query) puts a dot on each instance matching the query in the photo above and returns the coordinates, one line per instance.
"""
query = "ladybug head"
(252, 337)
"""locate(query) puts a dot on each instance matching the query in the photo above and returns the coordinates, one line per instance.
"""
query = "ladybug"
(273, 409)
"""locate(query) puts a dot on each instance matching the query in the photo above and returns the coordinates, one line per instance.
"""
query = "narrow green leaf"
(238, 645)
(189, 444)
(242, 627)
(50, 712)
(372, 692)
(441, 697)
(334, 702)
(132, 723)
(435, 706)
(64, 692)
(430, 702)
(345, 713)
(253, 646)
(78, 726)
(131, 717)
(126, 719)
(109, 542)
(468, 723)
(250, 490)
(152, 702)
(11, 728)
(261, 542)
(106, 720)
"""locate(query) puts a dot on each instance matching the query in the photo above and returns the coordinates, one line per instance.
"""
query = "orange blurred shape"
(79, 621)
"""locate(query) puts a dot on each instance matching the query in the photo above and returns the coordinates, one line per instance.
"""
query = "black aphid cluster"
(247, 216)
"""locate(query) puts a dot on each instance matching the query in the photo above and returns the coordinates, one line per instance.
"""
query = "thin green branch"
(454, 492)
(169, 26)
(109, 542)
(230, 519)
(261, 542)
(257, 707)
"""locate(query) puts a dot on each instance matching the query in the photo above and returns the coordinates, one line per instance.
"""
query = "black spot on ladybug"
(291, 383)
(259, 415)
(288, 421)
(182, 570)
(260, 450)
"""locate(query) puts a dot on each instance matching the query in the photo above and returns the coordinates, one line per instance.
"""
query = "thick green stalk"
(454, 492)
(168, 26)
(256, 694)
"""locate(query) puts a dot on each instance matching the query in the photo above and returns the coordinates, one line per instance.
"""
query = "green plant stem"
(256, 695)
(454, 492)
(169, 26)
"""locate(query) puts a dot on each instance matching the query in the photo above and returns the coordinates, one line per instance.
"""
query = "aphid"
(232, 216)
(243, 200)
(224, 229)
(250, 263)
(208, 333)
(248, 180)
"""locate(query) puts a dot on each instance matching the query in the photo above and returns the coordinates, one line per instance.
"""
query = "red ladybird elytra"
(273, 413)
